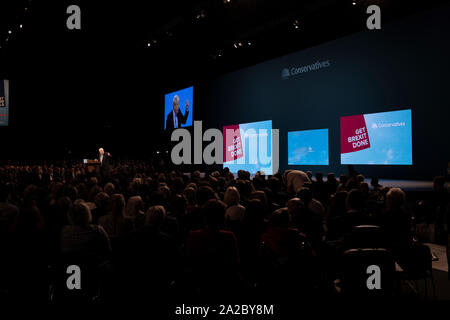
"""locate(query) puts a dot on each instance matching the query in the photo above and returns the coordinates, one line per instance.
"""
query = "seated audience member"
(288, 256)
(212, 253)
(331, 184)
(190, 195)
(340, 226)
(337, 204)
(109, 188)
(279, 196)
(306, 221)
(295, 181)
(375, 184)
(396, 221)
(253, 226)
(311, 204)
(157, 217)
(101, 201)
(319, 188)
(27, 255)
(134, 210)
(194, 219)
(342, 183)
(235, 211)
(261, 196)
(82, 236)
(147, 261)
(116, 223)
(8, 212)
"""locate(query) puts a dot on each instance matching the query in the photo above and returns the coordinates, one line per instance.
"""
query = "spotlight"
(20, 26)
(296, 24)
(226, 1)
(149, 44)
(354, 3)
(9, 31)
(201, 15)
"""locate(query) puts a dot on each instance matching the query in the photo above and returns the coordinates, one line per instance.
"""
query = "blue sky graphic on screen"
(253, 152)
(183, 95)
(377, 138)
(309, 147)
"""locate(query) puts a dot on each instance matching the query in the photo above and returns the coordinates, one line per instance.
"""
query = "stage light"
(354, 3)
(201, 15)
(149, 44)
(9, 31)
(296, 24)
(20, 26)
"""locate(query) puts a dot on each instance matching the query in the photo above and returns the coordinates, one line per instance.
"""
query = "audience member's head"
(279, 218)
(204, 193)
(355, 200)
(109, 188)
(214, 213)
(395, 199)
(319, 176)
(190, 194)
(155, 215)
(305, 195)
(135, 205)
(178, 205)
(231, 196)
(295, 181)
(117, 205)
(79, 214)
(101, 200)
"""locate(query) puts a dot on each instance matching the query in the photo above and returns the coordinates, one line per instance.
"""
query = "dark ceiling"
(108, 78)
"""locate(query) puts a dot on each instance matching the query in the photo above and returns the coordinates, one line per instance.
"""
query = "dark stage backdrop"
(405, 65)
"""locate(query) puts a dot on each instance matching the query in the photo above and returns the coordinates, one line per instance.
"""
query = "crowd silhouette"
(141, 232)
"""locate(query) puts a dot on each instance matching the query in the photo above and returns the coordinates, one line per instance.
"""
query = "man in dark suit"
(175, 118)
(104, 157)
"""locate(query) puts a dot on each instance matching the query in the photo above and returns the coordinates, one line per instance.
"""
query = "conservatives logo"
(286, 73)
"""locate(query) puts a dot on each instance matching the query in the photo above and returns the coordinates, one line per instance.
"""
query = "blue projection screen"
(377, 138)
(184, 118)
(248, 146)
(309, 147)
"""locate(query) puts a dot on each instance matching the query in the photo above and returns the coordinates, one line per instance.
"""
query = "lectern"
(91, 164)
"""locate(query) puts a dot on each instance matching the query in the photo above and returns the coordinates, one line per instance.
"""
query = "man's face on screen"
(176, 106)
(101, 151)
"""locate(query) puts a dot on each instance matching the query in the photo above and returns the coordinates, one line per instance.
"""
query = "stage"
(406, 185)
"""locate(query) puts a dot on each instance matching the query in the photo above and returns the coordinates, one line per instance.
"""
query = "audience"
(165, 232)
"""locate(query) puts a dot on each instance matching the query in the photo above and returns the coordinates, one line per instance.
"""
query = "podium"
(91, 164)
